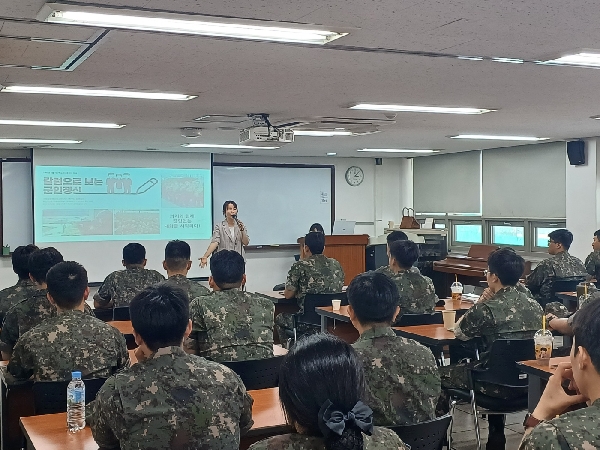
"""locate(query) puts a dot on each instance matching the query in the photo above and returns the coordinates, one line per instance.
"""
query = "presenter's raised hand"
(203, 261)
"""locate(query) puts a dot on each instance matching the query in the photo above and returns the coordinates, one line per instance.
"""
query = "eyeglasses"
(550, 241)
(485, 272)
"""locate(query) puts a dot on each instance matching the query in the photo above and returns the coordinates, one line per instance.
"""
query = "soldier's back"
(12, 295)
(123, 285)
(416, 293)
(192, 288)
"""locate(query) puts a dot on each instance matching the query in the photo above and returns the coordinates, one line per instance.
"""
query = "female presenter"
(228, 235)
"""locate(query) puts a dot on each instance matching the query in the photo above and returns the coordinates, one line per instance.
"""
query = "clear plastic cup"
(543, 346)
(449, 319)
(457, 290)
(336, 304)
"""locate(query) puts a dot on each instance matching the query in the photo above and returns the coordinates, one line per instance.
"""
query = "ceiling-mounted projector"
(266, 136)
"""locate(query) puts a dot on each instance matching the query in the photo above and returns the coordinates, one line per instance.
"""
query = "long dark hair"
(318, 368)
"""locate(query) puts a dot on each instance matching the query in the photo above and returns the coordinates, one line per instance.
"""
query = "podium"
(348, 249)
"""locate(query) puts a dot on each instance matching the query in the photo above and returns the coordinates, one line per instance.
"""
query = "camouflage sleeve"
(123, 361)
(591, 261)
(545, 436)
(246, 421)
(216, 236)
(537, 277)
(198, 339)
(472, 324)
(103, 296)
(293, 278)
(105, 410)
(431, 288)
(10, 331)
(20, 365)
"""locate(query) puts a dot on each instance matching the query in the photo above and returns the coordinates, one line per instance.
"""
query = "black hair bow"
(332, 420)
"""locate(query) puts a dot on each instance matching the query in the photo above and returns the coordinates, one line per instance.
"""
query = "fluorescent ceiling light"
(227, 146)
(509, 60)
(322, 133)
(471, 58)
(37, 141)
(46, 123)
(422, 109)
(185, 24)
(331, 154)
(396, 150)
(93, 92)
(497, 138)
(584, 59)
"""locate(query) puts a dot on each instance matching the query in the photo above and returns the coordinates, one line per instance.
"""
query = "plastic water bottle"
(76, 403)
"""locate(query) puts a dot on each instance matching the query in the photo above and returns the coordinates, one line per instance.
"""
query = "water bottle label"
(76, 396)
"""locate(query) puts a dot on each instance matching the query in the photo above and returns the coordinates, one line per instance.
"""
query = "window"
(468, 233)
(540, 234)
(512, 234)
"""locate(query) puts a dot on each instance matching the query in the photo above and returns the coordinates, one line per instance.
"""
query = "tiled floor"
(463, 434)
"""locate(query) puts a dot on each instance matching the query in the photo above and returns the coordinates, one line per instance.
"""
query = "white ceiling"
(240, 77)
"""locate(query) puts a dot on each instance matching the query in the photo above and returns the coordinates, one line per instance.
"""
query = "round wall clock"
(354, 175)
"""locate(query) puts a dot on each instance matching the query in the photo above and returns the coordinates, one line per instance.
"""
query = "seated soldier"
(122, 285)
(551, 425)
(12, 295)
(229, 324)
(315, 274)
(403, 382)
(35, 308)
(169, 399)
(416, 292)
(71, 340)
(394, 236)
(560, 266)
(561, 320)
(177, 263)
(592, 262)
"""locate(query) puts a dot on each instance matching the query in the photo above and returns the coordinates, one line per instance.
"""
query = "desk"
(430, 335)
(537, 376)
(49, 432)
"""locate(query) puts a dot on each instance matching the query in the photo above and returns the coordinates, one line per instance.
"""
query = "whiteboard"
(277, 203)
(17, 207)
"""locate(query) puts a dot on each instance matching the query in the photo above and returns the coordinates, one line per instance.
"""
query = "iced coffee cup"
(457, 290)
(543, 346)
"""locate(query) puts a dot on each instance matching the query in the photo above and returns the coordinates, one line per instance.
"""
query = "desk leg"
(534, 391)
(323, 324)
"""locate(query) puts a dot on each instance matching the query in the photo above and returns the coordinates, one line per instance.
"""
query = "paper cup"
(336, 304)
(449, 319)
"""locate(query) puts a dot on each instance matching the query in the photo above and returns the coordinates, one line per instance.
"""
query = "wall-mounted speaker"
(576, 152)
(378, 161)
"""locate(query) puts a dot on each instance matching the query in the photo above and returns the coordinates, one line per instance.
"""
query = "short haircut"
(134, 253)
(20, 260)
(373, 297)
(317, 227)
(396, 235)
(177, 255)
(597, 234)
(41, 261)
(586, 328)
(507, 265)
(404, 252)
(160, 315)
(562, 236)
(227, 268)
(315, 241)
(67, 282)
(227, 203)
(318, 368)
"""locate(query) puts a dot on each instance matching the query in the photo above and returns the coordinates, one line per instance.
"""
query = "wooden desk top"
(534, 368)
(568, 294)
(278, 298)
(434, 334)
(456, 305)
(327, 311)
(124, 326)
(49, 432)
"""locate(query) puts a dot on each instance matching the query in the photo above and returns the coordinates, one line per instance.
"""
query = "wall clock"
(354, 176)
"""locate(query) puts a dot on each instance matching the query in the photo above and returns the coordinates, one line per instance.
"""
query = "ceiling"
(379, 61)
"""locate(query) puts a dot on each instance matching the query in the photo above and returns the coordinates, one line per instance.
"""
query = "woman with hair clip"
(230, 234)
(321, 383)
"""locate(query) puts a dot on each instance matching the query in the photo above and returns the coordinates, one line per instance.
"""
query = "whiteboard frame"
(331, 168)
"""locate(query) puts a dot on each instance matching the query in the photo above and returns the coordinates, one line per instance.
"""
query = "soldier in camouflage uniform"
(228, 324)
(592, 262)
(416, 292)
(560, 266)
(177, 263)
(403, 383)
(169, 399)
(12, 295)
(122, 285)
(575, 430)
(316, 274)
(395, 235)
(36, 307)
(71, 340)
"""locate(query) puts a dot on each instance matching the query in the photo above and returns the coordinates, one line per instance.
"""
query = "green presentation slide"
(83, 204)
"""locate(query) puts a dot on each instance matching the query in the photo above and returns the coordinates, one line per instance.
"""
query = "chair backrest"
(425, 435)
(407, 320)
(563, 285)
(257, 373)
(50, 397)
(501, 367)
(121, 313)
(106, 315)
(311, 301)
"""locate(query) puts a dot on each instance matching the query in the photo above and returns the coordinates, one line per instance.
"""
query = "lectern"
(348, 249)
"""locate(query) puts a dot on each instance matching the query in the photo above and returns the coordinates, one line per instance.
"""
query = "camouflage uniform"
(382, 439)
(403, 383)
(387, 271)
(316, 274)
(15, 294)
(562, 265)
(510, 314)
(69, 341)
(172, 401)
(582, 301)
(192, 288)
(592, 264)
(232, 325)
(416, 291)
(122, 285)
(575, 430)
